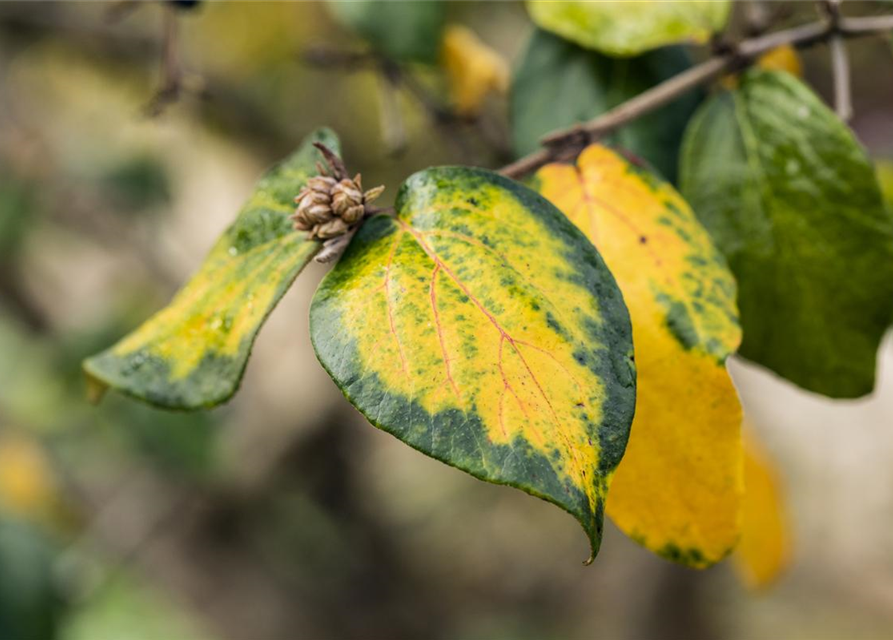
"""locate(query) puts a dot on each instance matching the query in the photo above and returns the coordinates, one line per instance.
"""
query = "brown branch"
(171, 74)
(566, 143)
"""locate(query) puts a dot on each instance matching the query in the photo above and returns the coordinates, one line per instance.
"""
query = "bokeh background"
(284, 514)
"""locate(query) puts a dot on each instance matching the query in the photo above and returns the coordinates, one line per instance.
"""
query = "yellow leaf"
(764, 550)
(677, 490)
(26, 484)
(784, 58)
(473, 69)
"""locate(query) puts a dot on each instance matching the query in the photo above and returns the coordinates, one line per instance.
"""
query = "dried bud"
(372, 194)
(331, 229)
(353, 214)
(322, 184)
(327, 207)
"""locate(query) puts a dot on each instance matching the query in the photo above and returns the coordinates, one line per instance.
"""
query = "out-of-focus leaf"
(405, 30)
(17, 212)
(559, 84)
(619, 28)
(784, 58)
(27, 487)
(137, 184)
(885, 178)
(482, 328)
(678, 489)
(764, 550)
(30, 602)
(473, 69)
(128, 609)
(193, 353)
(792, 200)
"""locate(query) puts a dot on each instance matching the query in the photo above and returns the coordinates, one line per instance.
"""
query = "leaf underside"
(408, 30)
(791, 199)
(622, 28)
(678, 489)
(480, 327)
(765, 548)
(192, 353)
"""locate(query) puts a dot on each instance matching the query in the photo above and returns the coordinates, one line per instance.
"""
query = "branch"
(565, 144)
(840, 64)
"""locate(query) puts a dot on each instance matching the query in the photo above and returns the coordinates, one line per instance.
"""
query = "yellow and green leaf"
(622, 28)
(192, 353)
(679, 486)
(482, 328)
(764, 551)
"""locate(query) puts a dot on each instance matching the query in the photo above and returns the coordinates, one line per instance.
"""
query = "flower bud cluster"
(328, 208)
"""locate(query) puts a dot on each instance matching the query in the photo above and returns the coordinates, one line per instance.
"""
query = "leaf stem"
(565, 144)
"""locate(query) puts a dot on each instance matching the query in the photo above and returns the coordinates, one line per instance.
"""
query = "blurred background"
(284, 514)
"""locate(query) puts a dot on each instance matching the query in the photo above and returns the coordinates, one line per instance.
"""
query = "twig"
(564, 143)
(336, 164)
(171, 76)
(327, 57)
(840, 64)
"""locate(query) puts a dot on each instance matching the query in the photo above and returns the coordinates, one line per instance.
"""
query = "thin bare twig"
(564, 143)
(171, 74)
(840, 64)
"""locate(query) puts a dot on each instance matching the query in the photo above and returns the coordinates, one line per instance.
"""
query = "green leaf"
(559, 84)
(192, 354)
(622, 28)
(480, 327)
(885, 178)
(405, 30)
(128, 606)
(31, 604)
(792, 200)
(18, 212)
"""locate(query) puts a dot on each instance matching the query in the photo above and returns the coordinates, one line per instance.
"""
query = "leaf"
(481, 328)
(621, 28)
(27, 486)
(791, 199)
(473, 69)
(192, 353)
(678, 489)
(32, 599)
(764, 550)
(559, 84)
(132, 607)
(783, 58)
(406, 30)
(885, 179)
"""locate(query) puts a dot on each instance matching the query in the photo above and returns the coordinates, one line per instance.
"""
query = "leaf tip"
(95, 388)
